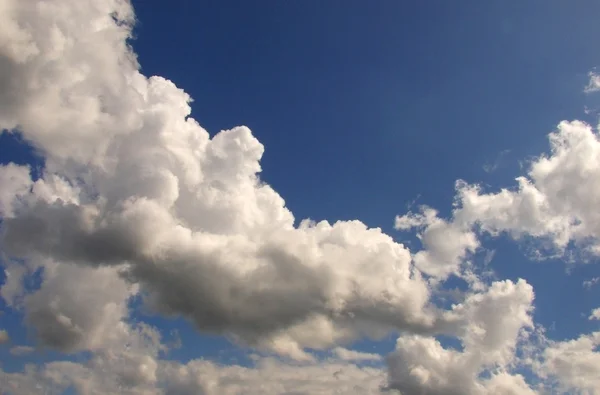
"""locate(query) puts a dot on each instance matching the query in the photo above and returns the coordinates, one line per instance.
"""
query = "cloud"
(595, 315)
(271, 377)
(137, 369)
(21, 350)
(445, 245)
(266, 377)
(4, 338)
(491, 167)
(557, 199)
(591, 282)
(351, 355)
(489, 325)
(574, 365)
(593, 83)
(77, 308)
(135, 188)
(553, 206)
(137, 200)
(126, 366)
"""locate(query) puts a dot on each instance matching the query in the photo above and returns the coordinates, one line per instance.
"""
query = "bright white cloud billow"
(138, 200)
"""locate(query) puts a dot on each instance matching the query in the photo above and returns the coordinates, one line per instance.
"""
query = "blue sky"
(366, 110)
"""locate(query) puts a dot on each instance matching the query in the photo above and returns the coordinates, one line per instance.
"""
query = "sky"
(299, 197)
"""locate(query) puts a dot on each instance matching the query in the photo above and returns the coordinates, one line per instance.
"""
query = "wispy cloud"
(591, 282)
(21, 350)
(593, 84)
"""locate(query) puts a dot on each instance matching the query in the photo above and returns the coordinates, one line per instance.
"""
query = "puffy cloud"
(128, 366)
(445, 244)
(489, 325)
(574, 365)
(77, 308)
(16, 182)
(137, 370)
(136, 198)
(271, 377)
(56, 71)
(556, 201)
(133, 185)
(420, 365)
(508, 384)
(595, 315)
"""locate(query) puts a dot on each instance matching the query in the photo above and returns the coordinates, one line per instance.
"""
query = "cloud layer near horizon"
(138, 200)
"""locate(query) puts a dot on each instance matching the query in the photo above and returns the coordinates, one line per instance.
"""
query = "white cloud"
(128, 365)
(557, 201)
(574, 365)
(593, 84)
(445, 244)
(137, 199)
(77, 308)
(591, 282)
(21, 350)
(554, 204)
(489, 325)
(136, 187)
(595, 315)
(16, 182)
(350, 355)
(271, 377)
(137, 370)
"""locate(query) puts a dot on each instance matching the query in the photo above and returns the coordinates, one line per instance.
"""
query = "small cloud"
(491, 167)
(595, 314)
(3, 336)
(593, 83)
(350, 355)
(489, 257)
(21, 350)
(590, 283)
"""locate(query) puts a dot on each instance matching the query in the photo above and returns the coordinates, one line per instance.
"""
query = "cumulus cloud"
(136, 199)
(126, 366)
(266, 377)
(572, 365)
(77, 308)
(271, 377)
(554, 203)
(137, 369)
(445, 245)
(595, 315)
(489, 325)
(134, 186)
(557, 199)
